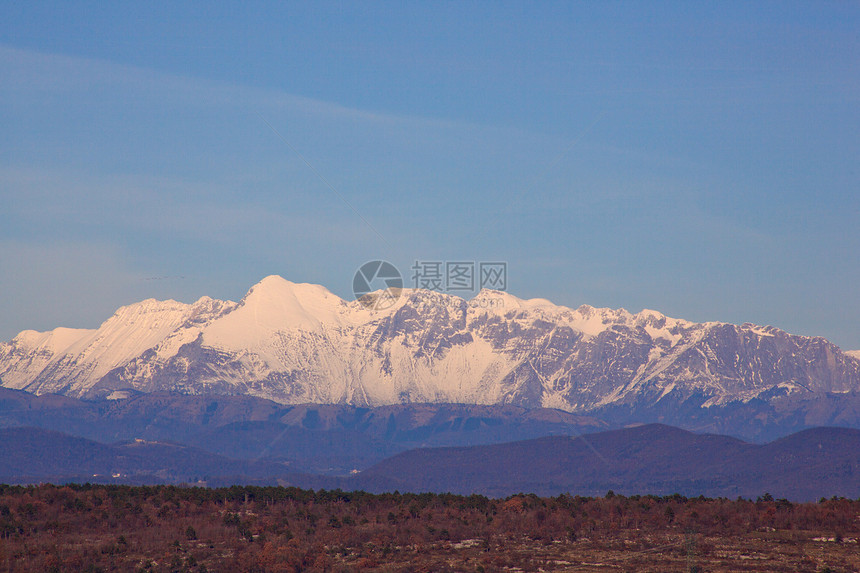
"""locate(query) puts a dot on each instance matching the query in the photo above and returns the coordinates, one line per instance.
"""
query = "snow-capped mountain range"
(299, 343)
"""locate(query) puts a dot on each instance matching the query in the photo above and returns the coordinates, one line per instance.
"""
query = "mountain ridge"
(299, 343)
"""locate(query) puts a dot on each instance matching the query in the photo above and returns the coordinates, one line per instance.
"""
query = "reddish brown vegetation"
(166, 528)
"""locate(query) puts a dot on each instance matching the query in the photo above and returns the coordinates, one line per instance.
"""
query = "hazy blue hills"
(649, 459)
(646, 459)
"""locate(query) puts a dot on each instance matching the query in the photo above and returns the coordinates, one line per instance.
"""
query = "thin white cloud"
(29, 71)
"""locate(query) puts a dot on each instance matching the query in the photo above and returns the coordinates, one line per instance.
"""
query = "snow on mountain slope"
(274, 305)
(299, 343)
(80, 358)
(345, 353)
(31, 352)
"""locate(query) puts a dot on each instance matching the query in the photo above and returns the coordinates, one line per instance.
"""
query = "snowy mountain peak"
(52, 341)
(647, 313)
(149, 313)
(277, 305)
(275, 286)
(504, 302)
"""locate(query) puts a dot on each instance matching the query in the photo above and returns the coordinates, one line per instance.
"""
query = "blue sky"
(700, 159)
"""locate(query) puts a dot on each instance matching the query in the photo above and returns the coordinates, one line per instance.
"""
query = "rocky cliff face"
(299, 343)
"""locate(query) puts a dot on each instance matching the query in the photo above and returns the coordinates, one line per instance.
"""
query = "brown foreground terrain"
(167, 528)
